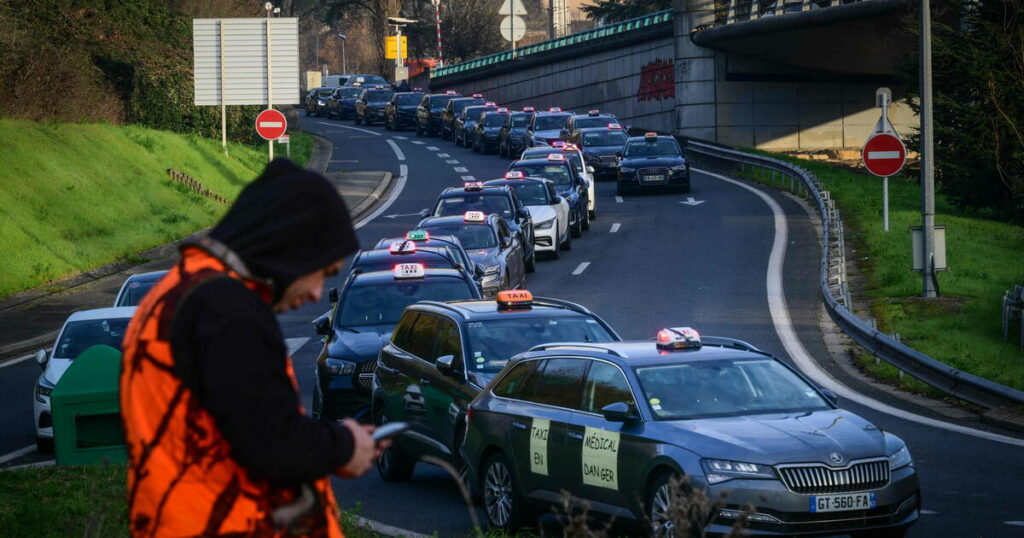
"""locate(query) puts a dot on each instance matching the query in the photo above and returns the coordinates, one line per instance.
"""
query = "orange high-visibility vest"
(182, 480)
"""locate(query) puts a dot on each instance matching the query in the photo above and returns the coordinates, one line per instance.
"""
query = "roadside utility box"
(87, 411)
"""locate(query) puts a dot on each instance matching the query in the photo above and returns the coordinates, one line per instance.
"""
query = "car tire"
(593, 213)
(531, 263)
(394, 464)
(577, 230)
(585, 222)
(358, 121)
(44, 445)
(567, 244)
(504, 506)
(657, 504)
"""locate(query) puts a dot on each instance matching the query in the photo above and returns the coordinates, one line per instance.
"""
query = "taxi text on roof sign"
(650, 135)
(409, 270)
(418, 235)
(475, 216)
(502, 109)
(554, 109)
(556, 157)
(529, 109)
(403, 247)
(513, 298)
(478, 95)
(490, 103)
(614, 126)
(514, 174)
(473, 185)
(678, 338)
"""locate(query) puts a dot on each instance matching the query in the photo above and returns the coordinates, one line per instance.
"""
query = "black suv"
(452, 110)
(428, 114)
(512, 138)
(370, 105)
(441, 355)
(502, 201)
(401, 111)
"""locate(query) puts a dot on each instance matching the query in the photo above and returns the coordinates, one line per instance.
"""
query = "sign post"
(513, 27)
(884, 153)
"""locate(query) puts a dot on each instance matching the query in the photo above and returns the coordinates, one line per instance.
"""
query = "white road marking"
(787, 333)
(403, 175)
(374, 133)
(580, 268)
(344, 161)
(618, 199)
(461, 169)
(46, 463)
(691, 202)
(15, 454)
(294, 344)
(417, 142)
(468, 178)
(23, 358)
(398, 152)
(452, 161)
(443, 155)
(388, 530)
(433, 148)
(1015, 523)
(400, 138)
(615, 228)
(883, 155)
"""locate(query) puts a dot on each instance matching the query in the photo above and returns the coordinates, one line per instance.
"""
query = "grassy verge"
(963, 327)
(64, 501)
(78, 196)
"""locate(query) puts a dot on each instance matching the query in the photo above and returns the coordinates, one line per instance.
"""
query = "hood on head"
(287, 223)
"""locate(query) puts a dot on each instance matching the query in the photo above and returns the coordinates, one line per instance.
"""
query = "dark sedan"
(652, 162)
(401, 111)
(370, 105)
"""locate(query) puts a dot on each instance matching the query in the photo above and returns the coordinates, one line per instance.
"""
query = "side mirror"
(557, 199)
(590, 169)
(322, 324)
(42, 357)
(832, 397)
(523, 214)
(444, 364)
(332, 295)
(478, 271)
(617, 412)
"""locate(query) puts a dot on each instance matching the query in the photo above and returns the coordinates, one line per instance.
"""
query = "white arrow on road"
(421, 213)
(691, 202)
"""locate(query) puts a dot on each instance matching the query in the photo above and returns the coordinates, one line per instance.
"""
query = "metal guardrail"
(572, 39)
(836, 293)
(733, 11)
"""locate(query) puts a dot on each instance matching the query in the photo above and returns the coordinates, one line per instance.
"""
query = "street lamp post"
(927, 156)
(344, 61)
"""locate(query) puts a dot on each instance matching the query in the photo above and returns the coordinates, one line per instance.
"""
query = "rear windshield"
(439, 101)
(557, 173)
(493, 343)
(379, 95)
(472, 236)
(459, 205)
(520, 120)
(583, 123)
(550, 123)
(81, 335)
(135, 291)
(604, 138)
(370, 80)
(494, 120)
(381, 303)
(459, 105)
(532, 193)
(348, 93)
(409, 99)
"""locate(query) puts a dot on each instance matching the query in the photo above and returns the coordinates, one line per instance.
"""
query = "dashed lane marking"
(417, 142)
(615, 228)
(468, 178)
(23, 358)
(580, 268)
(1015, 523)
(618, 199)
(403, 175)
(443, 155)
(400, 138)
(461, 169)
(433, 148)
(452, 161)
(15, 454)
(398, 152)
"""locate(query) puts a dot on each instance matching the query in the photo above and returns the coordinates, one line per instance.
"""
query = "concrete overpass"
(771, 74)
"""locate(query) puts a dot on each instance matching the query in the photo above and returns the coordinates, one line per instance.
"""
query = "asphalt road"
(665, 264)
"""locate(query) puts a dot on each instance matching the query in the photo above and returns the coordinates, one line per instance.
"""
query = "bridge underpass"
(771, 74)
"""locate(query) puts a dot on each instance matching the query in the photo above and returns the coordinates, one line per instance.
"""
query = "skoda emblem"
(836, 458)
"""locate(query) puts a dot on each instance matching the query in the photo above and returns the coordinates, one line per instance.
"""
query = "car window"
(514, 381)
(474, 113)
(459, 205)
(494, 120)
(496, 341)
(449, 342)
(408, 99)
(81, 335)
(134, 292)
(439, 101)
(379, 95)
(605, 384)
(520, 120)
(422, 336)
(382, 303)
(403, 331)
(583, 123)
(557, 173)
(559, 385)
(550, 123)
(472, 236)
(604, 138)
(348, 93)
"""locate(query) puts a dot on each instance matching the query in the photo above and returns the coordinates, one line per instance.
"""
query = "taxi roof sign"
(478, 95)
(451, 92)
(558, 144)
(409, 270)
(678, 338)
(403, 247)
(650, 135)
(529, 109)
(556, 157)
(490, 103)
(554, 109)
(570, 147)
(507, 299)
(473, 185)
(614, 126)
(514, 174)
(475, 216)
(502, 109)
(594, 112)
(417, 235)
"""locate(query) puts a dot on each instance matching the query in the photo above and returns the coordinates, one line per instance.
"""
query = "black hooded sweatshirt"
(227, 345)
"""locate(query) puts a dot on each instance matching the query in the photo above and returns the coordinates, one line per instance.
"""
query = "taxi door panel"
(537, 441)
(605, 460)
(446, 394)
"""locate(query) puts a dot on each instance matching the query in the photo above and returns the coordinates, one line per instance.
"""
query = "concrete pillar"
(695, 73)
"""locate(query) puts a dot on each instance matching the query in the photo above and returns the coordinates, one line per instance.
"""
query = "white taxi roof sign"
(403, 247)
(409, 270)
(473, 185)
(614, 126)
(554, 109)
(529, 109)
(490, 103)
(650, 135)
(475, 216)
(556, 157)
(514, 174)
(594, 112)
(678, 338)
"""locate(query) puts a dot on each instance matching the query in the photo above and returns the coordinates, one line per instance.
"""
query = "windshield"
(604, 138)
(409, 99)
(438, 101)
(387, 262)
(459, 105)
(520, 120)
(349, 93)
(324, 94)
(473, 114)
(661, 147)
(379, 95)
(493, 343)
(583, 123)
(701, 389)
(550, 123)
(459, 205)
(381, 303)
(371, 80)
(472, 236)
(532, 193)
(494, 120)
(81, 335)
(557, 173)
(135, 291)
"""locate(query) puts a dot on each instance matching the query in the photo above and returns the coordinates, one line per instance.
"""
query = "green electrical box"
(87, 410)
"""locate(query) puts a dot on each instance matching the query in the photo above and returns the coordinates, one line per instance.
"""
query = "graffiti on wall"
(657, 81)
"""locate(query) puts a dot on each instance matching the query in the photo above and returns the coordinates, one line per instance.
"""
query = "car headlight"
(718, 471)
(900, 459)
(321, 103)
(680, 168)
(492, 270)
(43, 391)
(546, 225)
(339, 367)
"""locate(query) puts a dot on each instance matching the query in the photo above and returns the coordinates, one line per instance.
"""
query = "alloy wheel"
(661, 525)
(498, 494)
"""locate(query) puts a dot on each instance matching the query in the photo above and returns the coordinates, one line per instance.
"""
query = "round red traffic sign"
(271, 124)
(884, 154)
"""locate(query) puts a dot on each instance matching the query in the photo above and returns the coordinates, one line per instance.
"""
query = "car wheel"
(44, 445)
(358, 121)
(577, 230)
(393, 465)
(585, 223)
(592, 214)
(567, 244)
(660, 505)
(503, 504)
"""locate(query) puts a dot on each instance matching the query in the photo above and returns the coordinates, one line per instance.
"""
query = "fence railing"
(610, 30)
(836, 292)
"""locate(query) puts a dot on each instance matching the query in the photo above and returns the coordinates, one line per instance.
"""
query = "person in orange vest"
(218, 442)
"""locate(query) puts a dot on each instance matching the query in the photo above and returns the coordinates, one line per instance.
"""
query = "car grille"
(817, 478)
(363, 377)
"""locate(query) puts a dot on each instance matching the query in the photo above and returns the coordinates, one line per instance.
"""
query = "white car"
(82, 330)
(575, 155)
(550, 212)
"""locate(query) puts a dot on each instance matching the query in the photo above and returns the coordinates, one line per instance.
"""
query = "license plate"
(654, 179)
(840, 503)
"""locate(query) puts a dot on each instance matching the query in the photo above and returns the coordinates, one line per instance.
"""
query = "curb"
(27, 346)
(321, 157)
(364, 207)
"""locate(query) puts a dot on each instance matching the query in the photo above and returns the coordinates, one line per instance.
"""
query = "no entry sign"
(271, 124)
(884, 154)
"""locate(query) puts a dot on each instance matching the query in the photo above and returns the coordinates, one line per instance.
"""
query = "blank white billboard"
(244, 66)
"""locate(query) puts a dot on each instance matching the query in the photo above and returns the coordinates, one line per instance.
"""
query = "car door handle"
(576, 435)
(519, 425)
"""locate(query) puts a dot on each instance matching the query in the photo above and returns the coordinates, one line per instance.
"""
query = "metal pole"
(927, 157)
(223, 105)
(398, 53)
(512, 25)
(886, 127)
(270, 87)
(437, 18)
(344, 61)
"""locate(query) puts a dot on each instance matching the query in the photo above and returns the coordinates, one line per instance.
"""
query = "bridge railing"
(733, 11)
(836, 293)
(610, 30)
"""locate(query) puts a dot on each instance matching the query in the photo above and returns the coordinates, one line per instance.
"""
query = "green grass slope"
(78, 196)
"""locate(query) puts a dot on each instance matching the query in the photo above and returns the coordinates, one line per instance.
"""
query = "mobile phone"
(389, 430)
